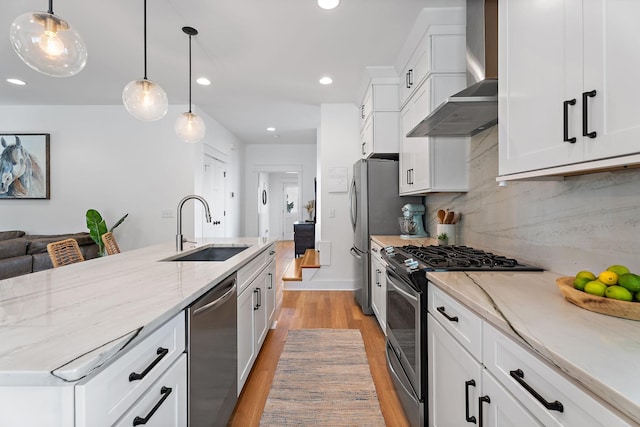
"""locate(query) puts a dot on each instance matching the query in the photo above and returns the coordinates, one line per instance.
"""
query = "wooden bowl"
(611, 307)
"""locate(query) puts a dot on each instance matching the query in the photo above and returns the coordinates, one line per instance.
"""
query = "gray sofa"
(21, 253)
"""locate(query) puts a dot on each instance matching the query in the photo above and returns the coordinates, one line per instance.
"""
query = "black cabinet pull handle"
(471, 419)
(165, 392)
(363, 148)
(362, 112)
(585, 114)
(406, 81)
(481, 400)
(161, 352)
(518, 375)
(259, 297)
(411, 77)
(270, 281)
(566, 121)
(272, 252)
(449, 318)
(256, 292)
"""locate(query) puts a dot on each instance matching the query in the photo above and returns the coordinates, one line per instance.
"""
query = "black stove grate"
(462, 258)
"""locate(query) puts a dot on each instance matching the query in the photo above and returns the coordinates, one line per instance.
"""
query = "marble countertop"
(52, 317)
(599, 352)
(401, 241)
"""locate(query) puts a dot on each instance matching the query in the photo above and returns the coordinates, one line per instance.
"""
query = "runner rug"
(323, 379)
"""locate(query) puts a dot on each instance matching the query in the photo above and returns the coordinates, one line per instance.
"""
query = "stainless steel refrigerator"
(375, 208)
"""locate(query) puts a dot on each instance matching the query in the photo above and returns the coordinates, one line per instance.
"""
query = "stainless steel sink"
(210, 253)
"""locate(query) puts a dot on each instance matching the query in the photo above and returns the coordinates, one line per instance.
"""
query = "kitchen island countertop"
(599, 352)
(50, 318)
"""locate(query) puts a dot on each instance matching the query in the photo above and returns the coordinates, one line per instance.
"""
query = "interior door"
(214, 189)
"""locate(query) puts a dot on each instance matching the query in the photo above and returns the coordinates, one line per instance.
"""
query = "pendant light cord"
(189, 73)
(50, 11)
(145, 39)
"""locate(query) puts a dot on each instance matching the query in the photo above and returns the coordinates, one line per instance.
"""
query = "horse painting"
(20, 173)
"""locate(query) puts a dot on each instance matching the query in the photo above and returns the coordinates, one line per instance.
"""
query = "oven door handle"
(404, 293)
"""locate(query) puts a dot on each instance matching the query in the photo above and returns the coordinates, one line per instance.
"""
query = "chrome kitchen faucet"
(207, 214)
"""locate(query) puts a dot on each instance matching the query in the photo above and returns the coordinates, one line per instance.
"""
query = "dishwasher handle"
(213, 304)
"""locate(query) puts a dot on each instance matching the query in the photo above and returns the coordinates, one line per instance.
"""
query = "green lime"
(580, 282)
(630, 281)
(618, 292)
(619, 269)
(585, 273)
(595, 287)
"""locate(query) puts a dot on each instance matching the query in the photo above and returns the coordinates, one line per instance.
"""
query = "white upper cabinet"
(379, 118)
(568, 100)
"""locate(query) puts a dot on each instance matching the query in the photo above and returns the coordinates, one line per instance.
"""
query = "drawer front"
(102, 400)
(465, 326)
(251, 270)
(525, 375)
(165, 402)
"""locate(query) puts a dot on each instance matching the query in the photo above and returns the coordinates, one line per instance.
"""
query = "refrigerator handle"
(355, 253)
(353, 204)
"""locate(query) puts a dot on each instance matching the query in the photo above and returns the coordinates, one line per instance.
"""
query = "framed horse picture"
(24, 166)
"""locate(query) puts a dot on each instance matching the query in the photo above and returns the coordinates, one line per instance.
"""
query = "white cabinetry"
(477, 372)
(379, 285)
(256, 307)
(434, 72)
(105, 397)
(379, 118)
(567, 96)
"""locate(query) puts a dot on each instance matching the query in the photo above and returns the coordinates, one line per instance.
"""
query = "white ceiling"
(264, 57)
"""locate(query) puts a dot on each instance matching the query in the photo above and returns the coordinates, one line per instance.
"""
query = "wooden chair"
(64, 252)
(110, 244)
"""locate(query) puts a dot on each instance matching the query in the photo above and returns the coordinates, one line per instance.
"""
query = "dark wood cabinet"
(304, 236)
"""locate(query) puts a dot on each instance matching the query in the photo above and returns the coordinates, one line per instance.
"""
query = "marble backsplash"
(585, 222)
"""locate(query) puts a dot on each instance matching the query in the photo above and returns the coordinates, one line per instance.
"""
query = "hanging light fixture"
(144, 99)
(189, 126)
(46, 43)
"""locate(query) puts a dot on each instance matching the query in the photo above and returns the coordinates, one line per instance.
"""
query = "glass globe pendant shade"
(190, 127)
(145, 100)
(46, 43)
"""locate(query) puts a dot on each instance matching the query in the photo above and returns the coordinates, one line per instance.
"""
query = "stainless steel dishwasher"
(213, 355)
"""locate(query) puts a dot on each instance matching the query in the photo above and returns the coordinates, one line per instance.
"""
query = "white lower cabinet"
(102, 399)
(488, 379)
(257, 296)
(379, 286)
(165, 403)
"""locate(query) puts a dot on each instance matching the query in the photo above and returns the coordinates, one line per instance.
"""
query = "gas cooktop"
(453, 258)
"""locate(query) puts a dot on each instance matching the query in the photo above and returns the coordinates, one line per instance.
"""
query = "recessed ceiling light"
(203, 81)
(271, 129)
(326, 80)
(16, 82)
(328, 4)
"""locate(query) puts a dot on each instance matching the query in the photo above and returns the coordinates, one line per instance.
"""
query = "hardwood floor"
(315, 309)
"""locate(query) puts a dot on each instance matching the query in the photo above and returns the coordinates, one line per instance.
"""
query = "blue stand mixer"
(411, 221)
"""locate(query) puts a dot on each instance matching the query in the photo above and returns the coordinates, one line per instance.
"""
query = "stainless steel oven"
(406, 323)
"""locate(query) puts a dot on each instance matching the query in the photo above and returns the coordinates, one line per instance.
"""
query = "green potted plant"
(443, 239)
(97, 227)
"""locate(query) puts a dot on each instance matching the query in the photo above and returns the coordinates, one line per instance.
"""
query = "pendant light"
(189, 126)
(144, 99)
(46, 43)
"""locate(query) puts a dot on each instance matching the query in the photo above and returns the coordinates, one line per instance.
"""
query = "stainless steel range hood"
(475, 108)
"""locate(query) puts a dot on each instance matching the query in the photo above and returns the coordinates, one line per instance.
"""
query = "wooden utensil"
(441, 214)
(456, 218)
(449, 217)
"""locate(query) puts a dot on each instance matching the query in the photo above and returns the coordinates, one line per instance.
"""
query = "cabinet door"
(540, 67)
(501, 409)
(270, 285)
(454, 379)
(378, 290)
(246, 342)
(406, 152)
(260, 309)
(611, 63)
(366, 138)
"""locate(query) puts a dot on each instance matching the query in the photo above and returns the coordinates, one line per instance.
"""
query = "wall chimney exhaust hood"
(475, 108)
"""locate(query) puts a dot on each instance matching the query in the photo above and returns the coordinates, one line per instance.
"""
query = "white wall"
(102, 158)
(338, 147)
(275, 158)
